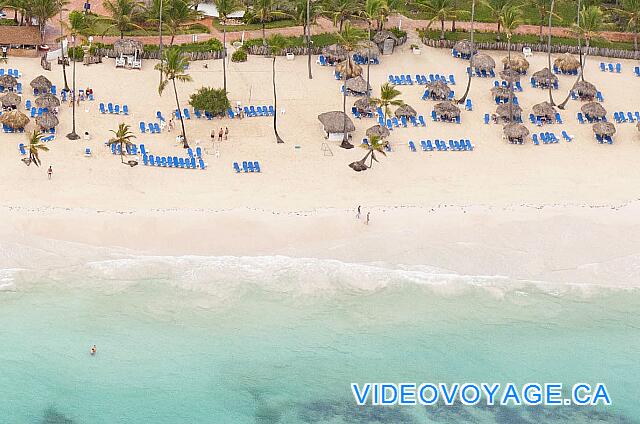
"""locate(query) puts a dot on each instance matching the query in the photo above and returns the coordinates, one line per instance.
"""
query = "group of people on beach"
(358, 214)
(222, 133)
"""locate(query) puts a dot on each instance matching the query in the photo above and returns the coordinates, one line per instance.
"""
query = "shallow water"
(279, 340)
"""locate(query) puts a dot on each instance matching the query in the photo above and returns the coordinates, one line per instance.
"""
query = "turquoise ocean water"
(279, 340)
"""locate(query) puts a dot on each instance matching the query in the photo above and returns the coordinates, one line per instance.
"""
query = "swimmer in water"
(93, 350)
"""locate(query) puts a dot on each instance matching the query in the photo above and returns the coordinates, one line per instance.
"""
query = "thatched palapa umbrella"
(368, 49)
(585, 90)
(447, 110)
(363, 105)
(567, 63)
(8, 81)
(604, 128)
(378, 131)
(464, 48)
(544, 77)
(380, 36)
(406, 111)
(438, 90)
(14, 119)
(128, 46)
(349, 68)
(47, 121)
(10, 99)
(518, 63)
(334, 122)
(594, 110)
(41, 83)
(510, 75)
(508, 112)
(501, 93)
(544, 110)
(358, 85)
(47, 100)
(335, 52)
(483, 62)
(515, 133)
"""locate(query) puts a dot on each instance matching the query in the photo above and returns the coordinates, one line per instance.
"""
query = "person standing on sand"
(358, 214)
(49, 172)
(226, 133)
(368, 213)
(220, 134)
(213, 136)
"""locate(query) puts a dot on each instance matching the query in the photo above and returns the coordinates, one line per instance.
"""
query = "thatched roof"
(379, 131)
(333, 122)
(593, 110)
(438, 90)
(567, 62)
(545, 109)
(335, 51)
(368, 49)
(10, 99)
(464, 47)
(405, 110)
(585, 90)
(14, 119)
(510, 75)
(380, 36)
(20, 35)
(358, 85)
(349, 68)
(501, 92)
(8, 81)
(604, 128)
(508, 111)
(447, 109)
(545, 77)
(515, 132)
(47, 121)
(483, 61)
(47, 100)
(518, 63)
(363, 105)
(127, 46)
(41, 83)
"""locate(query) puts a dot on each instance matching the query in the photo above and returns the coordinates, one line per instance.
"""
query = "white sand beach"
(561, 212)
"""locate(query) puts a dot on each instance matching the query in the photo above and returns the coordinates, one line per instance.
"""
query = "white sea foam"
(7, 278)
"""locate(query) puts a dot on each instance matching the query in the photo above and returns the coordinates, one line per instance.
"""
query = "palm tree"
(341, 10)
(44, 10)
(36, 145)
(473, 49)
(376, 144)
(510, 18)
(439, 10)
(391, 6)
(225, 8)
(388, 97)
(264, 11)
(495, 9)
(277, 43)
(349, 38)
(306, 12)
(122, 137)
(173, 66)
(176, 15)
(631, 11)
(372, 9)
(123, 15)
(588, 28)
(542, 7)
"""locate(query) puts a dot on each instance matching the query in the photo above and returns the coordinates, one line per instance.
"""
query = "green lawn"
(98, 27)
(283, 23)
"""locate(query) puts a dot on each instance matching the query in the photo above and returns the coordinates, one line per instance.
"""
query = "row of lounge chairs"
(173, 162)
(516, 85)
(604, 139)
(153, 128)
(35, 112)
(549, 138)
(487, 119)
(17, 88)
(247, 166)
(116, 149)
(557, 70)
(65, 93)
(622, 118)
(500, 100)
(456, 53)
(422, 79)
(365, 143)
(599, 96)
(537, 120)
(253, 111)
(8, 130)
(482, 73)
(462, 145)
(610, 67)
(13, 72)
(436, 118)
(534, 84)
(583, 119)
(363, 60)
(114, 109)
(403, 122)
(427, 94)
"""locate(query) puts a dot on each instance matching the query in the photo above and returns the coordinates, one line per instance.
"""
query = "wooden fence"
(298, 51)
(517, 47)
(156, 54)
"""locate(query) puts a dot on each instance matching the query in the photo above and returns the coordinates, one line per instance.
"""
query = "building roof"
(20, 35)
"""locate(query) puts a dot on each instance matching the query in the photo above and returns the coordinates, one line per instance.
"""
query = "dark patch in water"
(456, 413)
(323, 411)
(52, 416)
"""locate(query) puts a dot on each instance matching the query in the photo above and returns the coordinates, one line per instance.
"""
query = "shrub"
(76, 53)
(398, 32)
(212, 100)
(239, 55)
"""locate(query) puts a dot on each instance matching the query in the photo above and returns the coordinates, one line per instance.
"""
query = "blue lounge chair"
(198, 152)
(630, 116)
(250, 166)
(186, 113)
(566, 136)
(458, 119)
(151, 160)
(156, 128)
(468, 144)
(201, 163)
(190, 152)
(389, 124)
(603, 66)
(116, 109)
(534, 137)
(110, 107)
(322, 61)
(102, 108)
(468, 105)
(142, 127)
(236, 167)
(413, 121)
(125, 109)
(486, 118)
(412, 146)
(423, 144)
(159, 116)
(145, 160)
(403, 121)
(452, 80)
(181, 163)
(272, 110)
(558, 118)
(434, 116)
(580, 118)
(256, 166)
(610, 67)
(150, 127)
(618, 68)
(143, 150)
(245, 167)
(421, 119)
(22, 149)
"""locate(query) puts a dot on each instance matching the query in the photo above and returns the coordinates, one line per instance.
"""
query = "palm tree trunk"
(224, 57)
(275, 102)
(511, 95)
(184, 135)
(580, 42)
(309, 38)
(442, 29)
(345, 140)
(173, 36)
(541, 25)
(264, 34)
(549, 51)
(473, 14)
(364, 159)
(635, 38)
(368, 62)
(499, 37)
(122, 149)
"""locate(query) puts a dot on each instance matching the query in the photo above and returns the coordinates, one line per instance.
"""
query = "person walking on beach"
(213, 136)
(220, 134)
(170, 124)
(49, 172)
(368, 213)
(358, 214)
(226, 133)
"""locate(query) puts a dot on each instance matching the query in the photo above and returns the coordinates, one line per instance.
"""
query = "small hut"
(334, 125)
(508, 113)
(462, 49)
(515, 133)
(14, 119)
(386, 41)
(349, 69)
(128, 53)
(544, 111)
(363, 105)
(604, 129)
(41, 84)
(46, 121)
(438, 90)
(518, 63)
(406, 111)
(10, 100)
(334, 53)
(8, 82)
(502, 94)
(447, 111)
(544, 77)
(510, 75)
(482, 62)
(47, 100)
(585, 90)
(357, 86)
(378, 131)
(567, 64)
(594, 111)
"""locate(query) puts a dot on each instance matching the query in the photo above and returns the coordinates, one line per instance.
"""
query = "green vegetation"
(212, 100)
(76, 53)
(318, 40)
(281, 23)
(173, 67)
(8, 22)
(398, 32)
(239, 56)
